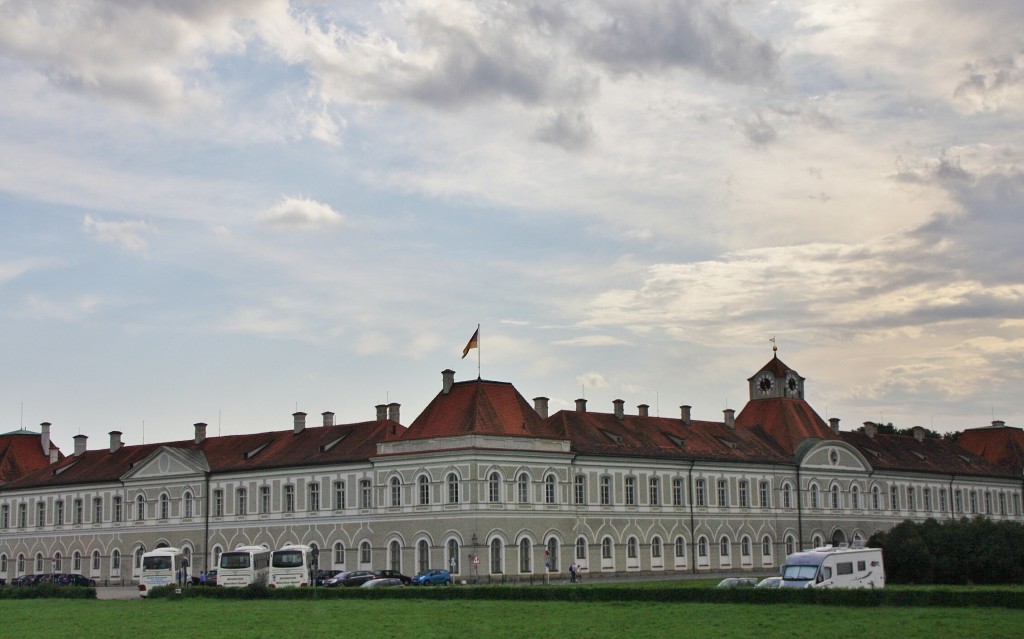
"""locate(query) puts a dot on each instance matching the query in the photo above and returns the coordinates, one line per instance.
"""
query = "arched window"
(632, 548)
(496, 561)
(423, 488)
(549, 489)
(21, 564)
(680, 547)
(339, 553)
(702, 546)
(876, 498)
(365, 554)
(396, 491)
(606, 548)
(787, 495)
(552, 554)
(189, 504)
(76, 561)
(523, 488)
(745, 546)
(115, 562)
(395, 556)
(766, 546)
(453, 488)
(423, 554)
(855, 497)
(58, 562)
(453, 557)
(656, 548)
(525, 556)
(39, 562)
(3, 563)
(140, 507)
(581, 548)
(817, 542)
(835, 497)
(790, 545)
(494, 488)
(723, 546)
(165, 506)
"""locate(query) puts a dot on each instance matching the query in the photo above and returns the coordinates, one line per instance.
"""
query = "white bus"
(292, 565)
(243, 566)
(832, 567)
(160, 567)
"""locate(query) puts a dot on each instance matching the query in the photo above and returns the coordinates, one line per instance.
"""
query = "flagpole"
(478, 349)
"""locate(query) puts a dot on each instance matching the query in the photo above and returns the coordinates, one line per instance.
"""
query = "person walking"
(573, 572)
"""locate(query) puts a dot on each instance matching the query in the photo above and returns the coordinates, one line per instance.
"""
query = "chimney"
(870, 429)
(200, 432)
(299, 422)
(642, 410)
(80, 442)
(54, 455)
(44, 437)
(618, 406)
(328, 418)
(833, 422)
(581, 405)
(684, 410)
(540, 404)
(730, 418)
(382, 412)
(393, 412)
(447, 380)
(115, 440)
(918, 433)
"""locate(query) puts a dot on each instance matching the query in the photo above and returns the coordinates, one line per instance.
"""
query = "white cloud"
(129, 234)
(593, 340)
(301, 213)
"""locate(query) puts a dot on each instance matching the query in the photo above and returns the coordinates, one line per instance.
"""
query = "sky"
(225, 212)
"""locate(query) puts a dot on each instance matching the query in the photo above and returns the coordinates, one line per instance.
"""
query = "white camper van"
(835, 567)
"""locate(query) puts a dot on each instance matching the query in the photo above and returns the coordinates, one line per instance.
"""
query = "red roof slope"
(633, 435)
(1000, 445)
(479, 407)
(931, 455)
(774, 366)
(788, 421)
(313, 446)
(21, 452)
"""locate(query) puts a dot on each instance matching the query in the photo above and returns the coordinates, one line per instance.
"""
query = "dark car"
(383, 582)
(77, 580)
(324, 575)
(432, 577)
(358, 578)
(393, 574)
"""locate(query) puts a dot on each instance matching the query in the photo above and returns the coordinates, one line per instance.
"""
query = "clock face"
(765, 384)
(791, 384)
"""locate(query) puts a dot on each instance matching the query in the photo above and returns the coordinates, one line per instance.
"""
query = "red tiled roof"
(1000, 445)
(479, 407)
(20, 453)
(774, 366)
(606, 434)
(931, 455)
(313, 446)
(788, 421)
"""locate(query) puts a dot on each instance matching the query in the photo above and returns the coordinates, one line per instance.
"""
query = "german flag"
(474, 342)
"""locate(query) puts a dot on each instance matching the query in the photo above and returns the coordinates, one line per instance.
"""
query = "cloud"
(128, 234)
(592, 380)
(592, 340)
(301, 213)
(991, 84)
(571, 131)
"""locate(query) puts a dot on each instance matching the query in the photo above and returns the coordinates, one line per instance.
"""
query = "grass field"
(343, 619)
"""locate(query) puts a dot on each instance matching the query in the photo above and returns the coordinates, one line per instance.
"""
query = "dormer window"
(612, 436)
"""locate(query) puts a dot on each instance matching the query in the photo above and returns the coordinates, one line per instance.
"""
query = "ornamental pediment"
(168, 462)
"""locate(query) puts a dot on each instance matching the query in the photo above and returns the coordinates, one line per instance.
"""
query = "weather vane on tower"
(775, 348)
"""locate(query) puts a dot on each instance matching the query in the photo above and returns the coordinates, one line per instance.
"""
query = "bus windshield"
(234, 560)
(156, 563)
(287, 559)
(799, 572)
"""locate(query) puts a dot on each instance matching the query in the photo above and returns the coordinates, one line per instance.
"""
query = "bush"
(47, 591)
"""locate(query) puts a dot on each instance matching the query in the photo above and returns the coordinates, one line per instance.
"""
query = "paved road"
(117, 592)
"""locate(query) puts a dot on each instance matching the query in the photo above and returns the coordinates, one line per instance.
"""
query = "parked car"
(383, 582)
(3, 582)
(77, 580)
(324, 575)
(357, 578)
(393, 574)
(770, 582)
(432, 577)
(738, 582)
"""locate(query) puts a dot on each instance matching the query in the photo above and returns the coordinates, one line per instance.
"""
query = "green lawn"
(337, 619)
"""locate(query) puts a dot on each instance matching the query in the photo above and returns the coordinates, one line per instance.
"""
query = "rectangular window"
(942, 499)
(700, 499)
(723, 493)
(339, 495)
(118, 510)
(289, 498)
(22, 515)
(40, 513)
(764, 495)
(655, 492)
(677, 492)
(97, 510)
(988, 503)
(630, 491)
(5, 516)
(606, 490)
(241, 502)
(314, 496)
(218, 503)
(58, 513)
(958, 500)
(910, 498)
(579, 490)
(366, 492)
(743, 495)
(894, 498)
(973, 496)
(79, 511)
(862, 566)
(844, 568)
(264, 500)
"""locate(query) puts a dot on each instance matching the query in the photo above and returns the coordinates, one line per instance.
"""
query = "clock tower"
(776, 380)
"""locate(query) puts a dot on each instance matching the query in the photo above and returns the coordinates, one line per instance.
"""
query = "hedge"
(47, 591)
(899, 597)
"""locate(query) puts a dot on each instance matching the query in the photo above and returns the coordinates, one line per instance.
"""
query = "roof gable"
(167, 461)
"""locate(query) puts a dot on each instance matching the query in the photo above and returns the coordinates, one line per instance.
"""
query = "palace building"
(493, 487)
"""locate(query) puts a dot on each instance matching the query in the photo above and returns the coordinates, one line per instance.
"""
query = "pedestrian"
(573, 570)
(202, 577)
